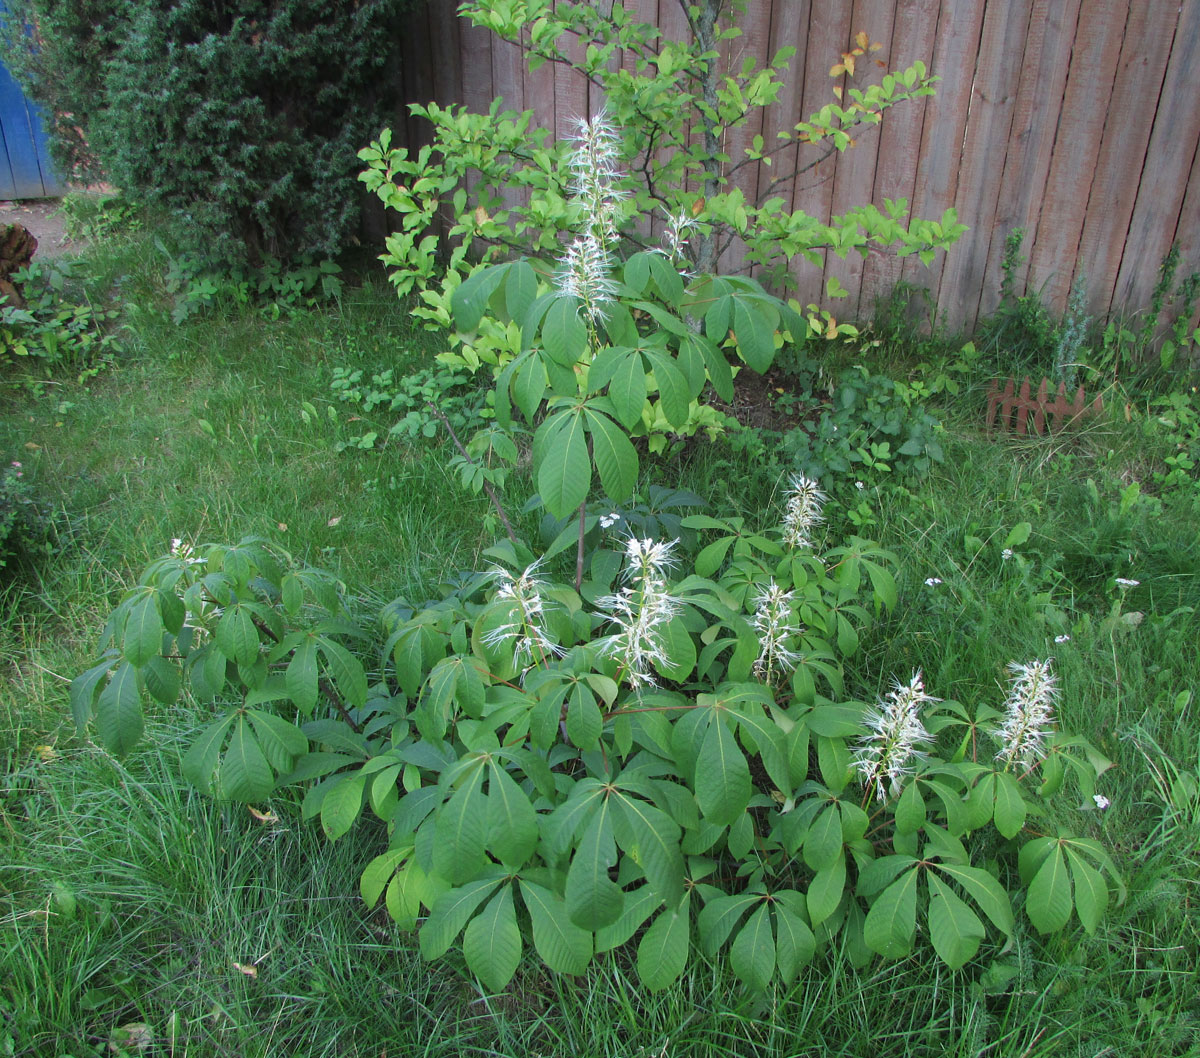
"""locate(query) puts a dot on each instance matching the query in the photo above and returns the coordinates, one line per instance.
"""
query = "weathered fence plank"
(1073, 119)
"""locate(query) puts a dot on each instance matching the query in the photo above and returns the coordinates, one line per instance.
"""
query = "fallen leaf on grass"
(263, 817)
(249, 969)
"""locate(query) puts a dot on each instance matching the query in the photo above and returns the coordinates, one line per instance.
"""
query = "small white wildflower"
(860, 485)
(1062, 639)
(1125, 582)
(524, 629)
(1028, 713)
(1102, 802)
(775, 625)
(607, 521)
(932, 582)
(884, 757)
(803, 514)
(1006, 554)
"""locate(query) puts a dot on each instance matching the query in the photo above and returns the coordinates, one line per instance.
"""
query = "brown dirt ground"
(43, 219)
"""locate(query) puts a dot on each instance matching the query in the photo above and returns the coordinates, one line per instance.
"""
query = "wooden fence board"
(1119, 164)
(913, 34)
(828, 31)
(954, 56)
(1031, 140)
(570, 90)
(854, 173)
(1170, 157)
(993, 98)
(1055, 243)
(1074, 119)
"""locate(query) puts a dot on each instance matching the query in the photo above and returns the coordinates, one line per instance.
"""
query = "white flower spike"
(803, 514)
(884, 757)
(1028, 713)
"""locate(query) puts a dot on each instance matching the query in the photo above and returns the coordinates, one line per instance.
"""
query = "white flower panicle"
(641, 610)
(1028, 713)
(803, 514)
(776, 625)
(586, 273)
(586, 269)
(884, 757)
(524, 629)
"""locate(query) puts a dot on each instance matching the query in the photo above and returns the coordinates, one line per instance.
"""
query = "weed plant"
(128, 900)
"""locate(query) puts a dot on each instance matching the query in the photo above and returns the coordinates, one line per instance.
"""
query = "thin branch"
(487, 485)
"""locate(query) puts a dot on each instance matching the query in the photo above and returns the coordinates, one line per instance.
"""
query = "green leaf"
(163, 679)
(83, 692)
(892, 920)
(564, 336)
(954, 928)
(244, 774)
(672, 388)
(651, 838)
(1010, 806)
(469, 300)
(719, 916)
(988, 894)
(301, 676)
(520, 289)
(1091, 891)
(910, 810)
(563, 946)
(1048, 902)
(663, 950)
(616, 458)
(824, 842)
(795, 944)
(627, 390)
(825, 891)
(450, 913)
(280, 741)
(492, 943)
(512, 822)
(379, 871)
(593, 899)
(639, 906)
(755, 340)
(143, 631)
(461, 831)
(565, 474)
(752, 956)
(119, 711)
(237, 637)
(292, 590)
(584, 721)
(201, 760)
(722, 776)
(347, 672)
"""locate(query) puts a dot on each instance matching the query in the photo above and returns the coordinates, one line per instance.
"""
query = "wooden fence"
(1076, 120)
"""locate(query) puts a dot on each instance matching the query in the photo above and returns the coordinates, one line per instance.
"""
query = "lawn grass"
(128, 899)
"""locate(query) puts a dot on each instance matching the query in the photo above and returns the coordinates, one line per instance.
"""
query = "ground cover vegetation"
(644, 770)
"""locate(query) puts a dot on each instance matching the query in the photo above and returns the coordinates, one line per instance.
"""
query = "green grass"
(126, 898)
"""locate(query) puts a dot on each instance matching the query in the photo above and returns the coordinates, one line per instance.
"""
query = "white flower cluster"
(884, 757)
(586, 269)
(1028, 713)
(640, 610)
(775, 624)
(803, 514)
(524, 629)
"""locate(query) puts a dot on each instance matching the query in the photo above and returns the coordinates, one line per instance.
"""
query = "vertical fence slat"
(570, 89)
(446, 49)
(828, 30)
(1031, 140)
(993, 98)
(854, 174)
(1073, 164)
(1119, 165)
(954, 55)
(896, 170)
(1160, 196)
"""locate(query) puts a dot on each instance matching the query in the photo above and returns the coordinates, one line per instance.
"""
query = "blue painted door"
(25, 168)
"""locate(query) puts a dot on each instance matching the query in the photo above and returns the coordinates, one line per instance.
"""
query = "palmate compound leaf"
(451, 912)
(244, 774)
(492, 942)
(663, 951)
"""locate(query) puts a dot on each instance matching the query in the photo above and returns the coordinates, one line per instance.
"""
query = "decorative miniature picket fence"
(1038, 412)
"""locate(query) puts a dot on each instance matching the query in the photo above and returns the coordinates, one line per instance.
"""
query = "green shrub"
(240, 120)
(28, 529)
